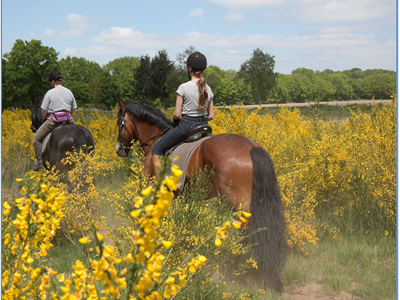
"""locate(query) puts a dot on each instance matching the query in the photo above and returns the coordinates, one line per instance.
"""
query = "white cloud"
(130, 38)
(259, 40)
(342, 10)
(76, 26)
(127, 37)
(347, 29)
(333, 46)
(96, 50)
(197, 13)
(233, 17)
(246, 3)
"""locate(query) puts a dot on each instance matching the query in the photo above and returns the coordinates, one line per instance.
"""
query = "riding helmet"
(197, 61)
(54, 75)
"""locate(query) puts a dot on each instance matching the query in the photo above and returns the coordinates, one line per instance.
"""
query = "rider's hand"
(176, 122)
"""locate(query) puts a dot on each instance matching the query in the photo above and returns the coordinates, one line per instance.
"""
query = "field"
(338, 182)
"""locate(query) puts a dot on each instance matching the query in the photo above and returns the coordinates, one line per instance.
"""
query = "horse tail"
(267, 212)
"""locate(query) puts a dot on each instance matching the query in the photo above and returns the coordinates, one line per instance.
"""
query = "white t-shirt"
(190, 94)
(58, 98)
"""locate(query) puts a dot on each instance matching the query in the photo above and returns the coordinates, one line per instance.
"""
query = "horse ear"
(121, 105)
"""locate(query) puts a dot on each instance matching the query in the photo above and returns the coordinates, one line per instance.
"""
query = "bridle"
(123, 125)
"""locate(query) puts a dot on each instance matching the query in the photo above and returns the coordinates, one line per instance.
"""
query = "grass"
(364, 267)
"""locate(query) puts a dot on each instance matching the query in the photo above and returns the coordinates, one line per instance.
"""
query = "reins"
(123, 125)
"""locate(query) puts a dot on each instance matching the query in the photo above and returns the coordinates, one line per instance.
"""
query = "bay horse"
(238, 163)
(65, 138)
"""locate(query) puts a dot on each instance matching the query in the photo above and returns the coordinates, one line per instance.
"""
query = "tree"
(123, 70)
(25, 69)
(281, 92)
(214, 76)
(258, 72)
(301, 88)
(324, 89)
(78, 73)
(161, 67)
(109, 90)
(95, 91)
(344, 90)
(143, 84)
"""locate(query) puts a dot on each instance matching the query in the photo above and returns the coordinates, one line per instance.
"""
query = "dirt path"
(314, 291)
(333, 103)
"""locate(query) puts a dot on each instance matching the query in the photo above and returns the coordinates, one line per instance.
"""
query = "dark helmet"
(54, 75)
(197, 61)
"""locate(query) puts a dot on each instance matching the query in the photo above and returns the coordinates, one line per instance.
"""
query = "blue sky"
(315, 34)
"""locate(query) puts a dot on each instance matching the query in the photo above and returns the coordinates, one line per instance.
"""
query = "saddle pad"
(45, 141)
(185, 151)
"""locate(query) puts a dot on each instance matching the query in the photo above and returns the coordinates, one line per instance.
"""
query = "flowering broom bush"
(335, 177)
(146, 269)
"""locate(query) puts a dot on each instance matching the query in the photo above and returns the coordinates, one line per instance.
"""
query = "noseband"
(123, 125)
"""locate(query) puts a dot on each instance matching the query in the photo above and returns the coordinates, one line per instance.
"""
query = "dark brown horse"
(238, 162)
(64, 139)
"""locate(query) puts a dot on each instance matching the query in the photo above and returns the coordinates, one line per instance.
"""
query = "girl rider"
(194, 100)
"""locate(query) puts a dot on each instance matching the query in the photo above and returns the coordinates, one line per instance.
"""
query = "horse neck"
(144, 132)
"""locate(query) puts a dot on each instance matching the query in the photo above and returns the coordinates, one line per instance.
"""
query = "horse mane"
(148, 113)
(35, 107)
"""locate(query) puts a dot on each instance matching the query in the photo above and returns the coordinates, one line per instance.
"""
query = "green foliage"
(344, 91)
(25, 70)
(161, 67)
(258, 72)
(143, 84)
(122, 70)
(156, 79)
(78, 74)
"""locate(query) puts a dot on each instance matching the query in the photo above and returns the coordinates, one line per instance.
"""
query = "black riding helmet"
(54, 75)
(197, 61)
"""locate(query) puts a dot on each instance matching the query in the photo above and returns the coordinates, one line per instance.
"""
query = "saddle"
(185, 149)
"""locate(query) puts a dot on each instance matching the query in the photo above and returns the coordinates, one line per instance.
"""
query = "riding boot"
(38, 151)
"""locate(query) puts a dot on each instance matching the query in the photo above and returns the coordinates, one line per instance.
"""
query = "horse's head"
(36, 113)
(139, 121)
(126, 133)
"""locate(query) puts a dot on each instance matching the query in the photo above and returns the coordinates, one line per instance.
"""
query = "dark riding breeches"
(178, 134)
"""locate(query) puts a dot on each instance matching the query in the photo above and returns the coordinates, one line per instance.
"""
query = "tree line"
(156, 79)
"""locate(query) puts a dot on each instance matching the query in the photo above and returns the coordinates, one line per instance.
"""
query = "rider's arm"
(178, 106)
(210, 110)
(44, 114)
(72, 111)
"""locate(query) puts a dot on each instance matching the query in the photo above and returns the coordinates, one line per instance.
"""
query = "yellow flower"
(147, 191)
(135, 214)
(167, 244)
(84, 240)
(218, 243)
(60, 277)
(237, 224)
(18, 179)
(246, 214)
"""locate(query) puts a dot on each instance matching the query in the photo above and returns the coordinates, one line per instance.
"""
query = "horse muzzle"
(121, 150)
